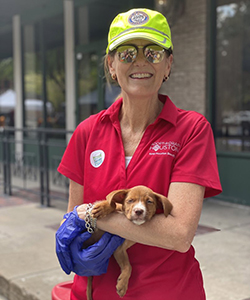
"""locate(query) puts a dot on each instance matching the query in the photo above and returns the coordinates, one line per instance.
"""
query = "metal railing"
(28, 162)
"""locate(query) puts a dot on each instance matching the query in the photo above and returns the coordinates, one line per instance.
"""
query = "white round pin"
(97, 158)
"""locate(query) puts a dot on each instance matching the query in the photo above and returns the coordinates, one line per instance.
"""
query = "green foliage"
(6, 69)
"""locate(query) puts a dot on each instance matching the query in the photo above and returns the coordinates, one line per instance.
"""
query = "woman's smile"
(141, 75)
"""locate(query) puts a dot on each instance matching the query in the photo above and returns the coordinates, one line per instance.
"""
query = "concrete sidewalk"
(29, 268)
(224, 255)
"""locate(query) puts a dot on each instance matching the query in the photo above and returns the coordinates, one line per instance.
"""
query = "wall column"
(17, 61)
(70, 80)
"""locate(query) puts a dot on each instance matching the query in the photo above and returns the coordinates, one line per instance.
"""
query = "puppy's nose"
(138, 212)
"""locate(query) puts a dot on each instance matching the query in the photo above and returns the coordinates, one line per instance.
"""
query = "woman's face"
(140, 77)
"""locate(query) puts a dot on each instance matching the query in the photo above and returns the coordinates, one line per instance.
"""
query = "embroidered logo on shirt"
(164, 148)
(97, 158)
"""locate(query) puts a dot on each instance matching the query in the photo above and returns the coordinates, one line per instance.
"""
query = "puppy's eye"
(130, 200)
(149, 201)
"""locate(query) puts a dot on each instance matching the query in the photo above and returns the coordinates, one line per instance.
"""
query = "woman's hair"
(112, 54)
(106, 66)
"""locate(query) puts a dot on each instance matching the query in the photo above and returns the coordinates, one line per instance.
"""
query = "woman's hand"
(93, 260)
(69, 246)
(67, 232)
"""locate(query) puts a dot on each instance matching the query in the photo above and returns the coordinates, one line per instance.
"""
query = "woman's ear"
(171, 58)
(169, 64)
(111, 64)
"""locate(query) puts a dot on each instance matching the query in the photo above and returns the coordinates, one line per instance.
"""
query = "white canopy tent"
(8, 103)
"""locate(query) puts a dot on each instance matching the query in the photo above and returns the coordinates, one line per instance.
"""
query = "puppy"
(139, 205)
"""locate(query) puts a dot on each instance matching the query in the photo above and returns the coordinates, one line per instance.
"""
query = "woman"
(142, 139)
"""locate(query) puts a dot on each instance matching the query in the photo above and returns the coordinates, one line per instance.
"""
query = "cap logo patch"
(138, 18)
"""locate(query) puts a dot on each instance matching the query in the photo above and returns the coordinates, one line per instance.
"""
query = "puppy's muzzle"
(138, 214)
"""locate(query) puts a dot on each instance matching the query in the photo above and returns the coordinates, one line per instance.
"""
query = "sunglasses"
(128, 53)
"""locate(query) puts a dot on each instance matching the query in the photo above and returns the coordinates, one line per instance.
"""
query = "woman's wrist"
(84, 212)
(74, 219)
(81, 211)
(89, 219)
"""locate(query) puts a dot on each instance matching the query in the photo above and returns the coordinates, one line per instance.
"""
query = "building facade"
(51, 72)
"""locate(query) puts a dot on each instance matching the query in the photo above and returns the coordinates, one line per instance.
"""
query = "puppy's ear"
(164, 203)
(117, 196)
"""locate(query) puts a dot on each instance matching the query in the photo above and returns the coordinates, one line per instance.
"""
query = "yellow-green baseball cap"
(139, 23)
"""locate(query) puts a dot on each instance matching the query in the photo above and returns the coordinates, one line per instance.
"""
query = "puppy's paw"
(122, 286)
(101, 209)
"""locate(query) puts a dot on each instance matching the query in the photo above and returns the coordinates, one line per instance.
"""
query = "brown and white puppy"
(139, 205)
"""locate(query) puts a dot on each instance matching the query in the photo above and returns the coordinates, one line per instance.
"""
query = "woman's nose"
(140, 58)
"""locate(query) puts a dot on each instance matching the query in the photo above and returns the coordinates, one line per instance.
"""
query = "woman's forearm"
(160, 231)
(174, 232)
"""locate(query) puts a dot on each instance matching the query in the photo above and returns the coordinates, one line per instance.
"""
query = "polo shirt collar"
(169, 112)
(113, 111)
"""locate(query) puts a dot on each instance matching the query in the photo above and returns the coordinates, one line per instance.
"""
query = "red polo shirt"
(177, 147)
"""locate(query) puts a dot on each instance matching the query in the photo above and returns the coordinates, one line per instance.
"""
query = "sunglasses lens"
(126, 54)
(154, 53)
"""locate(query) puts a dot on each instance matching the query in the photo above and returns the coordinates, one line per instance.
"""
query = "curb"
(11, 291)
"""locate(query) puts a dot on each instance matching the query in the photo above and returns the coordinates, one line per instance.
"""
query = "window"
(91, 40)
(233, 77)
(7, 94)
(44, 73)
